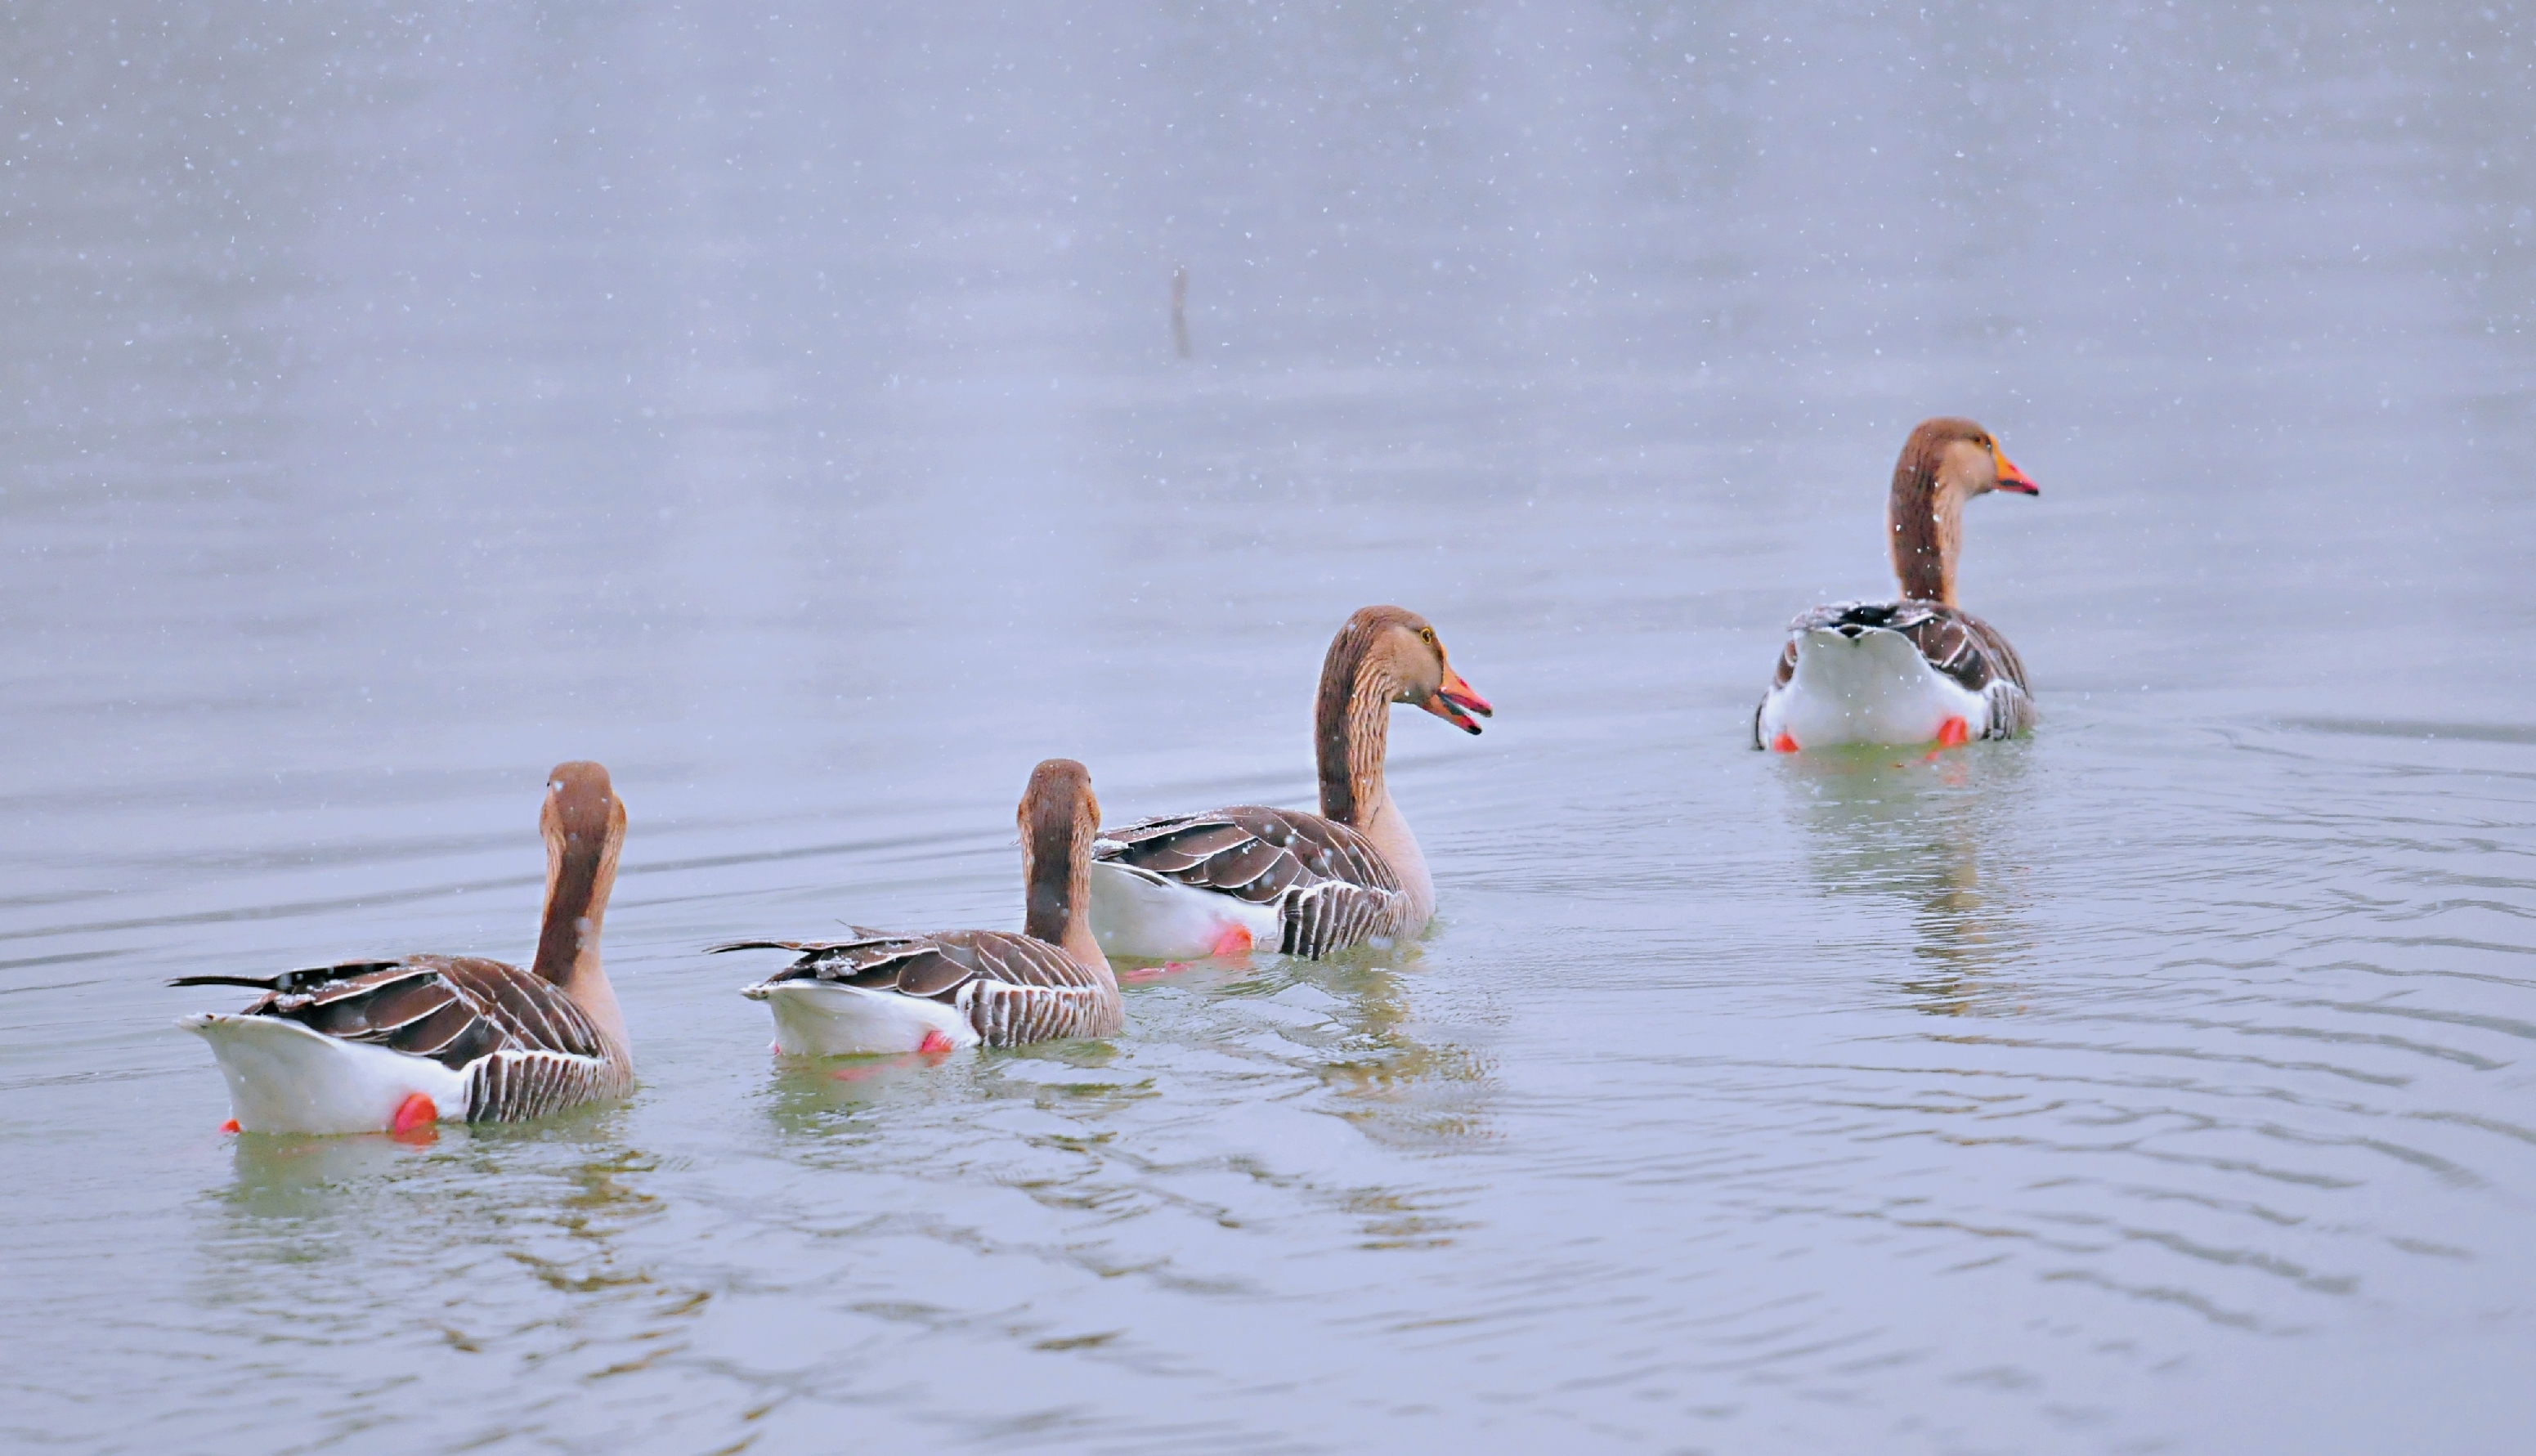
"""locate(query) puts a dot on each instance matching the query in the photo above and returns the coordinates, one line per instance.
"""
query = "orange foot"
(1783, 745)
(1953, 734)
(934, 1043)
(230, 1126)
(416, 1119)
(1235, 942)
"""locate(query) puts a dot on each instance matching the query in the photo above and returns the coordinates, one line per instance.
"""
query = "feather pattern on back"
(1012, 989)
(1331, 888)
(525, 1048)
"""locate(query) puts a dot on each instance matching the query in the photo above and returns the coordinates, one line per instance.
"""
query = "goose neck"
(579, 877)
(1352, 737)
(1924, 519)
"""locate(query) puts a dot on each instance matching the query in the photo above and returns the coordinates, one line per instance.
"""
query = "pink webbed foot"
(416, 1120)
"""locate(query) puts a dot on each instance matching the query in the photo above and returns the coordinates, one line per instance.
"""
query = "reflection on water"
(1941, 833)
(786, 410)
(502, 1243)
(1328, 1040)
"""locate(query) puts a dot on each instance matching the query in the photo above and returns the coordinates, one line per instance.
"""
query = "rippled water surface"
(785, 408)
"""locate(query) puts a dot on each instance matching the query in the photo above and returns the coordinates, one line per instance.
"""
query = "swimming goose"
(1919, 669)
(1218, 884)
(881, 992)
(396, 1045)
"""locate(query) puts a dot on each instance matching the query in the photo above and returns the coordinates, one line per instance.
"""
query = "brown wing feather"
(1249, 852)
(1013, 988)
(453, 1009)
(1954, 641)
(527, 1048)
(1960, 645)
(1332, 887)
(1333, 915)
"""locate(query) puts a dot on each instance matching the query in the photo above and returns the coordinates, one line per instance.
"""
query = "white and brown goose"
(1221, 883)
(883, 992)
(1919, 669)
(396, 1045)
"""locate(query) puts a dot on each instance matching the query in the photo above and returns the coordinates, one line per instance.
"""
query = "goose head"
(1960, 458)
(1399, 655)
(1947, 462)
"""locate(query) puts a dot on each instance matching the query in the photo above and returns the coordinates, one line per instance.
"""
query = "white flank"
(1875, 689)
(819, 1018)
(1146, 917)
(285, 1078)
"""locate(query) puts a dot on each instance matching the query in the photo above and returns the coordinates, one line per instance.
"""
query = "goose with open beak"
(882, 992)
(1919, 669)
(1221, 883)
(397, 1045)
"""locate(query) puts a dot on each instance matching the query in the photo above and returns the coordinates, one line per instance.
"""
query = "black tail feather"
(251, 982)
(864, 935)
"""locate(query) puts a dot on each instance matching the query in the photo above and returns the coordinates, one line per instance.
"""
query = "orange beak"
(1449, 700)
(2012, 478)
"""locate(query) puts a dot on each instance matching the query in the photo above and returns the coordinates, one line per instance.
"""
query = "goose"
(882, 992)
(1189, 886)
(398, 1046)
(1921, 669)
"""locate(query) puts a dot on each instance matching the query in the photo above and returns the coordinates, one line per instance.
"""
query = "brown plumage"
(1945, 463)
(1954, 641)
(1329, 886)
(1354, 871)
(526, 1043)
(1047, 982)
(1012, 990)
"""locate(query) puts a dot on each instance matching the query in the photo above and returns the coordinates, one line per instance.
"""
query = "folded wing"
(1331, 888)
(524, 1045)
(1012, 989)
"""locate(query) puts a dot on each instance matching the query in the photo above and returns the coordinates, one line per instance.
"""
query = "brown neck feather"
(1060, 883)
(1920, 516)
(573, 911)
(1352, 725)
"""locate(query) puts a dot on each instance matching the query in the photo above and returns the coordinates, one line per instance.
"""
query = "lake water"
(785, 408)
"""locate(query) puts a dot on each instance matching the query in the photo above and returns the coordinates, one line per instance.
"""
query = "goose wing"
(933, 966)
(1012, 989)
(1963, 646)
(1954, 641)
(525, 1046)
(1254, 853)
(1331, 887)
(452, 1009)
(1332, 916)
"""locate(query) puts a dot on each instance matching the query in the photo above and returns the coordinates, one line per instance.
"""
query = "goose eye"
(1427, 635)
